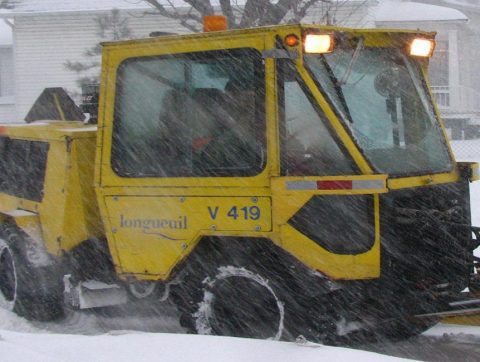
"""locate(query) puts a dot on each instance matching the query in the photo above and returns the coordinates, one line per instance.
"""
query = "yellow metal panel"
(52, 208)
(287, 203)
(82, 218)
(423, 180)
(350, 267)
(184, 191)
(9, 202)
(474, 169)
(152, 234)
(469, 320)
(29, 222)
(47, 130)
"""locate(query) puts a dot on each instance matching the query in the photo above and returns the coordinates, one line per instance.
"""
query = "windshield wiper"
(352, 62)
(338, 90)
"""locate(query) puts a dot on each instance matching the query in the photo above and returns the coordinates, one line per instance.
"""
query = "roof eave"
(13, 14)
(441, 21)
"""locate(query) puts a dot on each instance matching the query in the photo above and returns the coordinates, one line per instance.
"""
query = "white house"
(48, 33)
(7, 104)
(451, 64)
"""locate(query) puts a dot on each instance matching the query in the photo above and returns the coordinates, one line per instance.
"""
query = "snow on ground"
(135, 346)
(441, 329)
(82, 337)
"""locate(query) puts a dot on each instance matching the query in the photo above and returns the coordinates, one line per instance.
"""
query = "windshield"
(381, 97)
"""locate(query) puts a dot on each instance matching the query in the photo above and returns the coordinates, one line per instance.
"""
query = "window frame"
(260, 110)
(280, 64)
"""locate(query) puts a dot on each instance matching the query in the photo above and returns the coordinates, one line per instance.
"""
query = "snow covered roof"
(396, 11)
(54, 6)
(471, 4)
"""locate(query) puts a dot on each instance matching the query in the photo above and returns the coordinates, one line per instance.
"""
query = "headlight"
(318, 43)
(422, 47)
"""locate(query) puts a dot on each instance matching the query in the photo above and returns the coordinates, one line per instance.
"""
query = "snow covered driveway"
(97, 337)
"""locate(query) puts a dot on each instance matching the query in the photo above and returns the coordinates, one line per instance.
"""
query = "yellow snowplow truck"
(271, 182)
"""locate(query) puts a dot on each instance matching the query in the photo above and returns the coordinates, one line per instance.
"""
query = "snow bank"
(453, 329)
(130, 346)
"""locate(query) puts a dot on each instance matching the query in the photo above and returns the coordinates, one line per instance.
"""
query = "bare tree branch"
(251, 13)
(7, 4)
(227, 10)
(204, 7)
(174, 14)
(301, 11)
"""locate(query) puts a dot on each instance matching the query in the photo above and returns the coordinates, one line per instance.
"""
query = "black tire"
(240, 302)
(407, 328)
(239, 281)
(31, 292)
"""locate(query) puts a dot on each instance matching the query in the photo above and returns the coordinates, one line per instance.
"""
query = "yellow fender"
(28, 222)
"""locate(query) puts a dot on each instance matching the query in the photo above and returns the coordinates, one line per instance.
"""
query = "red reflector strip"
(334, 185)
(3, 129)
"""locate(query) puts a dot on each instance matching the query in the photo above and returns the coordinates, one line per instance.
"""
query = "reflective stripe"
(368, 184)
(336, 185)
(301, 185)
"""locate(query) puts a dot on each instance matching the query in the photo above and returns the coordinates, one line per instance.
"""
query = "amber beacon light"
(421, 47)
(291, 40)
(214, 23)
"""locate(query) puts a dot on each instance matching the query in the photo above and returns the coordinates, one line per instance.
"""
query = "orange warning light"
(214, 23)
(291, 40)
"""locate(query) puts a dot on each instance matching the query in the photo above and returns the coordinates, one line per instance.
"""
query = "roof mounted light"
(421, 47)
(319, 43)
(214, 23)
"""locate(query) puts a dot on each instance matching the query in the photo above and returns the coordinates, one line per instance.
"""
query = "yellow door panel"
(335, 266)
(152, 234)
(291, 198)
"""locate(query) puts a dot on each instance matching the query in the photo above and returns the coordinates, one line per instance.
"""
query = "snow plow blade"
(467, 312)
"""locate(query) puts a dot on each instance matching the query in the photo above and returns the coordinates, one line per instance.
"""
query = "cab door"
(184, 151)
(326, 206)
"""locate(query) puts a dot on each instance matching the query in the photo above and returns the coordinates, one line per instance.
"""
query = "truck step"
(93, 294)
(462, 303)
(450, 313)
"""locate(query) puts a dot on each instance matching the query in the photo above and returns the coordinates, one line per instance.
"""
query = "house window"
(439, 74)
(439, 64)
(6, 72)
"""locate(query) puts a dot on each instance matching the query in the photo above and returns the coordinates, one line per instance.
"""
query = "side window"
(26, 181)
(308, 146)
(197, 114)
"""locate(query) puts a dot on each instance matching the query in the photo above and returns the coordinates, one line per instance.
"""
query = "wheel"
(8, 277)
(143, 289)
(239, 302)
(30, 291)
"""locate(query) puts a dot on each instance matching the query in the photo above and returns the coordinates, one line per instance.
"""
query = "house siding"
(7, 106)
(355, 14)
(43, 44)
